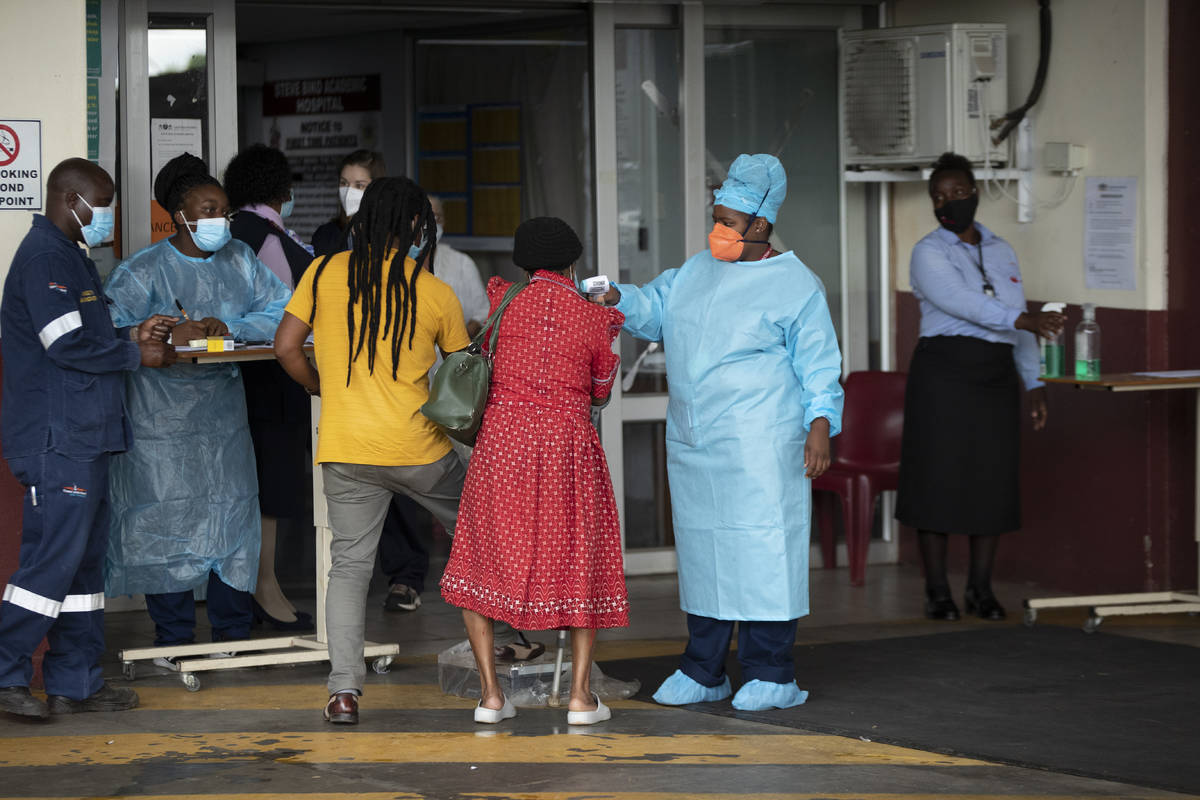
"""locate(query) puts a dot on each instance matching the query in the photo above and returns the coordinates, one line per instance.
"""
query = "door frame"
(221, 60)
(691, 17)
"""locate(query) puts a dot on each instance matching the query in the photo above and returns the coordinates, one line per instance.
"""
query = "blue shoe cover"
(760, 695)
(679, 690)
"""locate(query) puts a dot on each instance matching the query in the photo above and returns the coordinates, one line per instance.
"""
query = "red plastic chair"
(866, 462)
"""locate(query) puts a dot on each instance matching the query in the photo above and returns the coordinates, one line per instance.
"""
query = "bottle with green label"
(1052, 349)
(1087, 346)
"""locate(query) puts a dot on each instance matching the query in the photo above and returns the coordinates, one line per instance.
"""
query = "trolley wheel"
(1030, 617)
(190, 681)
(129, 669)
(1092, 623)
(382, 665)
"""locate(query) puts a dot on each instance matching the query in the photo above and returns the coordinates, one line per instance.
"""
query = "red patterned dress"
(538, 543)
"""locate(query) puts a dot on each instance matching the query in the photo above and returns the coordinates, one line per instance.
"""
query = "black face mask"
(957, 215)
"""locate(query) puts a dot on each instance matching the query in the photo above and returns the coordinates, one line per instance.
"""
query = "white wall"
(44, 61)
(1106, 89)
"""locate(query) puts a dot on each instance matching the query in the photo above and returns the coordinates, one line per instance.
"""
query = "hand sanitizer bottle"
(1052, 348)
(1087, 346)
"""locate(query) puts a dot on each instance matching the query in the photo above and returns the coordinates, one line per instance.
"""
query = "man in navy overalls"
(63, 414)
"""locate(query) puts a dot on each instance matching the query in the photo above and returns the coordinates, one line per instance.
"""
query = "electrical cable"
(994, 188)
(1014, 117)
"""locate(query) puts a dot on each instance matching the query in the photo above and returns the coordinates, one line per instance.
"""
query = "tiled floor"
(258, 733)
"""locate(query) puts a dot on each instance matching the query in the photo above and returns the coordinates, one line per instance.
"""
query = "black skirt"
(960, 452)
(277, 409)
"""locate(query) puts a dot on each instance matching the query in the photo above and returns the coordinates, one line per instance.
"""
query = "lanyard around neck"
(988, 289)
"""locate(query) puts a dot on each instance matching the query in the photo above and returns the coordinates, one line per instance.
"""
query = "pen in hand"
(179, 305)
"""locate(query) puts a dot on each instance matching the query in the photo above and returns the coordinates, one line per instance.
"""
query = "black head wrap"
(179, 176)
(545, 243)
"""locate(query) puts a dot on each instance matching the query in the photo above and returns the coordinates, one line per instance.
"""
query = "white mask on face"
(439, 233)
(351, 199)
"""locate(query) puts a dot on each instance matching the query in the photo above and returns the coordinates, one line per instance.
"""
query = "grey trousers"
(358, 496)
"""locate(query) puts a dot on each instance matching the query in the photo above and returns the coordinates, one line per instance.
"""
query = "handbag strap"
(493, 321)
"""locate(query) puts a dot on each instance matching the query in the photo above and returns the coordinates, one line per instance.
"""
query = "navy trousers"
(403, 552)
(57, 592)
(764, 650)
(174, 613)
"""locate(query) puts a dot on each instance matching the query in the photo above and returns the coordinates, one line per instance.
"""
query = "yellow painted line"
(591, 795)
(756, 796)
(301, 697)
(820, 796)
(490, 746)
(409, 696)
(620, 649)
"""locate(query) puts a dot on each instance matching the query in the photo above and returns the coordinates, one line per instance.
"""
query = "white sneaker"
(491, 716)
(220, 655)
(600, 714)
(167, 662)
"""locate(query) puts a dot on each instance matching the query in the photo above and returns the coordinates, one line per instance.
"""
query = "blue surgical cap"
(756, 184)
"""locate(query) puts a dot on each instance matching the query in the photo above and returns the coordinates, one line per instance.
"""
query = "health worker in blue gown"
(752, 368)
(185, 496)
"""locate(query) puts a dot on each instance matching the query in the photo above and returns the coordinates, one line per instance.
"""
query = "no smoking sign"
(20, 165)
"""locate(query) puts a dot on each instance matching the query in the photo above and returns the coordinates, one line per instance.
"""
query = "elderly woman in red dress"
(538, 541)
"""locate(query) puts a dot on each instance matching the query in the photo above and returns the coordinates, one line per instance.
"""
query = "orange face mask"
(727, 244)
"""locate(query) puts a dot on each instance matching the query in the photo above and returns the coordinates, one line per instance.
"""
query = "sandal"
(523, 650)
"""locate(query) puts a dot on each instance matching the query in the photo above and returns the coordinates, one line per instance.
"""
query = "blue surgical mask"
(288, 206)
(415, 250)
(100, 229)
(211, 234)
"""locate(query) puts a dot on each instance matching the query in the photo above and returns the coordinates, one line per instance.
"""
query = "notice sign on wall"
(317, 122)
(1110, 234)
(20, 165)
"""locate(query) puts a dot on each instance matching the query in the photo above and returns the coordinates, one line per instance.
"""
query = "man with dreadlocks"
(376, 318)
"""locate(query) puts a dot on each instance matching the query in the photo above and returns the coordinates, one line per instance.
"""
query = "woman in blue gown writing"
(185, 496)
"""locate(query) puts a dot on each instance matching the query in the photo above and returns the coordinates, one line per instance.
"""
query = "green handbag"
(459, 390)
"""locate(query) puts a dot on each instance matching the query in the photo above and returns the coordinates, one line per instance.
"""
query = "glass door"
(679, 91)
(650, 238)
(178, 93)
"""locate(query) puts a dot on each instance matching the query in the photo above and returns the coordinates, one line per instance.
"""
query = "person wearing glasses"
(960, 449)
(185, 496)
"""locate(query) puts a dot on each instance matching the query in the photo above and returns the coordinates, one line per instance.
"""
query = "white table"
(1112, 605)
(194, 658)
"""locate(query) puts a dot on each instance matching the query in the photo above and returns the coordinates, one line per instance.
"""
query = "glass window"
(177, 52)
(502, 133)
(649, 177)
(775, 91)
(650, 240)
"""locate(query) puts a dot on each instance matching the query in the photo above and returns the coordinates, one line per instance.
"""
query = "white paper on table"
(1110, 233)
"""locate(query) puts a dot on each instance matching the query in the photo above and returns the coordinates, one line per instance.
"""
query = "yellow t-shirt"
(374, 419)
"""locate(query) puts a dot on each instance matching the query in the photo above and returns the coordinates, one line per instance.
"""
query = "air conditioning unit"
(911, 94)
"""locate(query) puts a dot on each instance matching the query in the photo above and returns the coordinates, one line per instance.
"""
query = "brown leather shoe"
(342, 709)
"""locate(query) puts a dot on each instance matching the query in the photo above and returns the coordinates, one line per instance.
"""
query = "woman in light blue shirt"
(960, 453)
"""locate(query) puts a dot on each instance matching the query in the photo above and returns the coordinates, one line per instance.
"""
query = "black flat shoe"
(942, 608)
(983, 605)
(302, 622)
